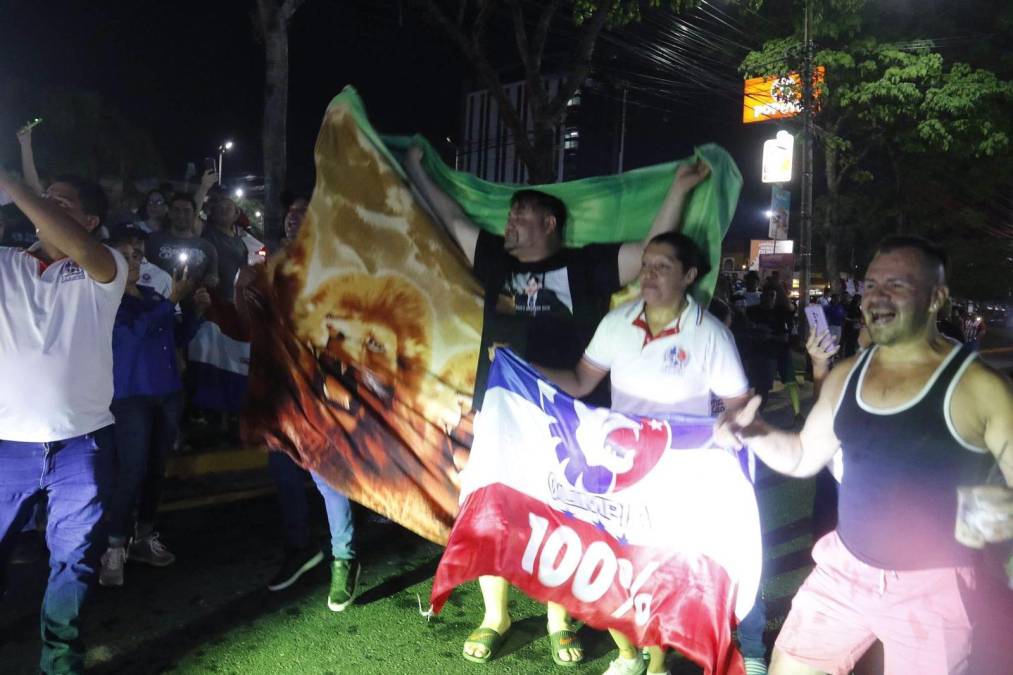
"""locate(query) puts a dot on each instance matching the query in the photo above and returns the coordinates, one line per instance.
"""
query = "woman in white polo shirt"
(664, 354)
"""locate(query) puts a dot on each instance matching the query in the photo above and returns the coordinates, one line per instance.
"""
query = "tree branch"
(486, 74)
(531, 51)
(582, 59)
(542, 31)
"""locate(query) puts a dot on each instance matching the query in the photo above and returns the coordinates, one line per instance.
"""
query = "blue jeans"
(290, 481)
(750, 630)
(76, 474)
(146, 429)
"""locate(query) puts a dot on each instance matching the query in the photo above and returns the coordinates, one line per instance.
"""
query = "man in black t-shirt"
(572, 295)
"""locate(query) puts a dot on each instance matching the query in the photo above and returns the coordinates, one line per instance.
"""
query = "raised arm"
(800, 455)
(209, 178)
(60, 230)
(669, 218)
(28, 169)
(449, 212)
(578, 381)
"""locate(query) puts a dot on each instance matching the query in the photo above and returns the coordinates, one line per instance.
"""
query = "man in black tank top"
(915, 417)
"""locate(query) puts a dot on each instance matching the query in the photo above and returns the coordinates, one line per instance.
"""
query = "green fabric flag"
(601, 209)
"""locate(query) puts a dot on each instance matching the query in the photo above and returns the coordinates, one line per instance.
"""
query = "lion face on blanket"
(379, 325)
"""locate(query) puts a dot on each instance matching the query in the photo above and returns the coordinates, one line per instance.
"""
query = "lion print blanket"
(366, 329)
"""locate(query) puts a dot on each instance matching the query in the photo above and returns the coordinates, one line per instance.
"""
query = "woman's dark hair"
(687, 252)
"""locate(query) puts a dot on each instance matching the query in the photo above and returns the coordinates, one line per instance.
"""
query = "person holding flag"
(665, 355)
(582, 280)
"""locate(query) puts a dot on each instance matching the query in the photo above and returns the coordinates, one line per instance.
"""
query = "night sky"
(192, 73)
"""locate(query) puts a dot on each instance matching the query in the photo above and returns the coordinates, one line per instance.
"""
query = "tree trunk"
(830, 249)
(275, 126)
(536, 147)
(832, 171)
(542, 167)
(272, 19)
(898, 186)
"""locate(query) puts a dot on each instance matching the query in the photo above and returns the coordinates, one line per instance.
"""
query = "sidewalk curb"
(218, 461)
(219, 498)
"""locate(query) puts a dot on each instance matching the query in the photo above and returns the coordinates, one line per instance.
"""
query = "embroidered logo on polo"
(676, 359)
(71, 271)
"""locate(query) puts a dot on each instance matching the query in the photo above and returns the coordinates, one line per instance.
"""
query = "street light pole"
(807, 156)
(222, 149)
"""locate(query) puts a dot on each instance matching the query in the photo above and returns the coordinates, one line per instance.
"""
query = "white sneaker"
(113, 561)
(621, 666)
(756, 665)
(152, 551)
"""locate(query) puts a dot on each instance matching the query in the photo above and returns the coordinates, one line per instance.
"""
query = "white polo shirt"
(672, 372)
(56, 354)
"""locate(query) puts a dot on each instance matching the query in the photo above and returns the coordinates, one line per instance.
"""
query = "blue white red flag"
(632, 523)
(219, 358)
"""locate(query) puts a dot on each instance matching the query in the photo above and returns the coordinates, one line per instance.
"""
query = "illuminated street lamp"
(222, 149)
(238, 193)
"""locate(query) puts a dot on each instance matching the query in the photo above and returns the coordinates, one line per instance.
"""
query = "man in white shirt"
(58, 303)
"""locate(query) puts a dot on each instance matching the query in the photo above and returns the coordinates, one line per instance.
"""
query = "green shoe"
(344, 579)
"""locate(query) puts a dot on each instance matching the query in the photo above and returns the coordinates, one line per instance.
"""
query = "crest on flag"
(633, 523)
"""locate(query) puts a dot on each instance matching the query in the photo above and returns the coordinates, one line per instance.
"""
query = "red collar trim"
(43, 264)
(641, 322)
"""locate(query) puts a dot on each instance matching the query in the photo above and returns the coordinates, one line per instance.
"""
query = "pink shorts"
(845, 605)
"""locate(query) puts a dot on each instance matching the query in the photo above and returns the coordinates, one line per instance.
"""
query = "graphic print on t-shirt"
(195, 257)
(536, 294)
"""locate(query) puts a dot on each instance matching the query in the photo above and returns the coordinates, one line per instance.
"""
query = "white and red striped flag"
(631, 523)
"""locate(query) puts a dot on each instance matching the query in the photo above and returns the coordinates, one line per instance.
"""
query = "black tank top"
(902, 466)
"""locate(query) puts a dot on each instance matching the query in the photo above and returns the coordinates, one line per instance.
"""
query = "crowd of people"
(98, 313)
(101, 297)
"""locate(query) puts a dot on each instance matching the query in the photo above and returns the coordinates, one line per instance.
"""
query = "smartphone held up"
(817, 319)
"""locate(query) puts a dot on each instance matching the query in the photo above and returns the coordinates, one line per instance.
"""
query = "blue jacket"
(144, 347)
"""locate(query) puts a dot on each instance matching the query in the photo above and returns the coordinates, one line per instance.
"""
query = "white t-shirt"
(673, 372)
(56, 352)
